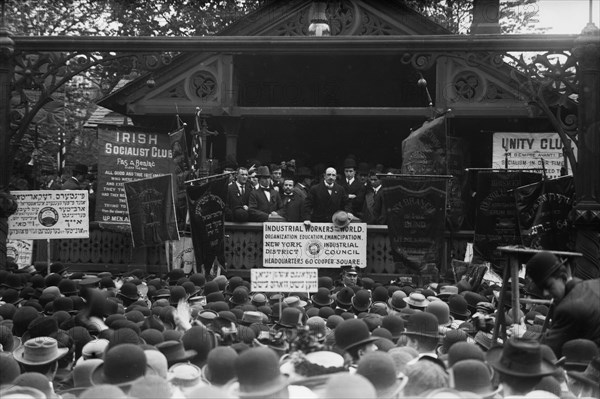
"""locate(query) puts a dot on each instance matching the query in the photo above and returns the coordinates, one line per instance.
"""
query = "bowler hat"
(519, 358)
(351, 333)
(129, 291)
(291, 317)
(13, 281)
(394, 324)
(344, 297)
(341, 219)
(397, 302)
(361, 301)
(11, 296)
(122, 365)
(176, 294)
(464, 350)
(459, 307)
(239, 296)
(441, 310)
(175, 352)
(39, 351)
(591, 375)
(542, 265)
(451, 337)
(422, 324)
(218, 369)
(258, 373)
(473, 376)
(349, 163)
(378, 367)
(579, 353)
(322, 297)
(57, 267)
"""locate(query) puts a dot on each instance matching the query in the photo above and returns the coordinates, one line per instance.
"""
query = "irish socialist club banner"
(126, 154)
(206, 204)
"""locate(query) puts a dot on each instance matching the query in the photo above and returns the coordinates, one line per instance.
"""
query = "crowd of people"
(76, 335)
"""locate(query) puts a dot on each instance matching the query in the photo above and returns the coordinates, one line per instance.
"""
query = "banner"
(151, 211)
(50, 214)
(284, 280)
(543, 213)
(181, 255)
(126, 154)
(456, 159)
(321, 245)
(20, 252)
(416, 210)
(180, 168)
(206, 203)
(424, 150)
(496, 218)
(526, 150)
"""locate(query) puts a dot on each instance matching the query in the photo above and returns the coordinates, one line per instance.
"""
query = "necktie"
(243, 190)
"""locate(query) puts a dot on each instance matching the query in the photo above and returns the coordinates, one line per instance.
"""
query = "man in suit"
(373, 203)
(293, 202)
(76, 182)
(304, 181)
(238, 194)
(325, 198)
(353, 186)
(263, 203)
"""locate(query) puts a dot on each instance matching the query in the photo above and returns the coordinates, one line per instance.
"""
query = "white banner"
(50, 214)
(181, 255)
(20, 251)
(292, 245)
(284, 280)
(526, 151)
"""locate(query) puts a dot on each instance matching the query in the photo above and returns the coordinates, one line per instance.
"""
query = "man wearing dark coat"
(576, 302)
(76, 182)
(325, 198)
(292, 202)
(353, 186)
(238, 194)
(265, 202)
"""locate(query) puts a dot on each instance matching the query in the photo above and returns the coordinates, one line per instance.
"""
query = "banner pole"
(49, 258)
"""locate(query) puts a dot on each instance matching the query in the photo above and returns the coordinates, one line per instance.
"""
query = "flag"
(206, 204)
(180, 169)
(416, 212)
(196, 151)
(151, 211)
(496, 214)
(543, 209)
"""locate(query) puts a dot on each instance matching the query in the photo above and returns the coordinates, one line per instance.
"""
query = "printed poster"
(50, 214)
(321, 245)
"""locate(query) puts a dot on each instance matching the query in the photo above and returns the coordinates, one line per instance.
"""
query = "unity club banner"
(496, 214)
(151, 210)
(206, 204)
(543, 213)
(416, 210)
(126, 153)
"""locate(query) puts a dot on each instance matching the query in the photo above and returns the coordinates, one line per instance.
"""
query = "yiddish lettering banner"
(206, 204)
(126, 154)
(50, 214)
(20, 252)
(496, 217)
(151, 211)
(416, 210)
(543, 214)
(284, 280)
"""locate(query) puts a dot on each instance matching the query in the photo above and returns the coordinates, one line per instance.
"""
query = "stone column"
(231, 125)
(586, 212)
